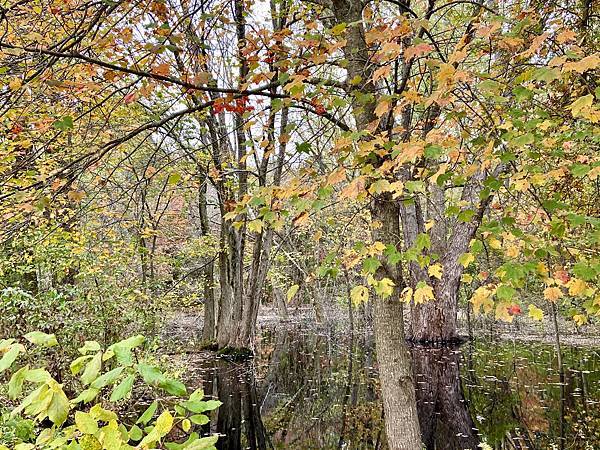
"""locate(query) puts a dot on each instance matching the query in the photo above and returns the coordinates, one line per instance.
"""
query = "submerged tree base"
(235, 353)
(448, 342)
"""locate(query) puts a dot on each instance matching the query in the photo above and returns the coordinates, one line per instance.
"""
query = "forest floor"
(185, 326)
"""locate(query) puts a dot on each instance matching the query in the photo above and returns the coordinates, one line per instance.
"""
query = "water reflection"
(445, 421)
(308, 390)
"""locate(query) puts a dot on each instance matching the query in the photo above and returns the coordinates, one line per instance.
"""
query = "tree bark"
(393, 355)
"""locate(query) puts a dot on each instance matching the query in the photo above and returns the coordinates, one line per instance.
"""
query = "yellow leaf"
(380, 186)
(384, 287)
(465, 259)
(255, 225)
(581, 104)
(583, 65)
(580, 319)
(502, 313)
(466, 278)
(435, 271)
(482, 299)
(382, 108)
(359, 294)
(535, 313)
(406, 295)
(495, 243)
(15, 84)
(552, 293)
(382, 72)
(577, 287)
(512, 251)
(423, 294)
(291, 292)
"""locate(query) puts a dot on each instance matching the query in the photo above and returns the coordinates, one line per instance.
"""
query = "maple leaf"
(382, 108)
(379, 187)
(382, 72)
(577, 287)
(514, 310)
(435, 271)
(565, 36)
(482, 299)
(162, 69)
(465, 259)
(417, 50)
(535, 313)
(552, 293)
(581, 105)
(359, 294)
(580, 319)
(502, 312)
(384, 287)
(583, 65)
(423, 293)
(562, 276)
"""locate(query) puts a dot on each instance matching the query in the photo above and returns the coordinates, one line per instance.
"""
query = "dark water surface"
(309, 390)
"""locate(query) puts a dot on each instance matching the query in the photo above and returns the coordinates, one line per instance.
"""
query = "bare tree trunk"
(208, 330)
(393, 355)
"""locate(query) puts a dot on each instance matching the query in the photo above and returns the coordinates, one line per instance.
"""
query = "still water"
(319, 390)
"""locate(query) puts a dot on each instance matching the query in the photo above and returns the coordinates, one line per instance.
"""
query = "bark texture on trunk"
(393, 355)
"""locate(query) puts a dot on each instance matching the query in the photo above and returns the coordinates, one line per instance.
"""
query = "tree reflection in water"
(309, 390)
(443, 414)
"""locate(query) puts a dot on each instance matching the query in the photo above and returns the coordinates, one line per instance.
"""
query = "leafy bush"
(44, 417)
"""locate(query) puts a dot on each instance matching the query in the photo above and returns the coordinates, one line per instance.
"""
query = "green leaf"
(199, 419)
(9, 357)
(504, 292)
(205, 443)
(15, 385)
(88, 347)
(66, 123)
(99, 413)
(422, 241)
(173, 387)
(59, 407)
(292, 291)
(85, 423)
(123, 389)
(38, 376)
(148, 414)
(198, 394)
(108, 378)
(370, 265)
(86, 396)
(174, 178)
(135, 433)
(150, 374)
(77, 364)
(523, 140)
(39, 338)
(92, 369)
(584, 271)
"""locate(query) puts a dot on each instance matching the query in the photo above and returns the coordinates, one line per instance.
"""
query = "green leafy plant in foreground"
(46, 418)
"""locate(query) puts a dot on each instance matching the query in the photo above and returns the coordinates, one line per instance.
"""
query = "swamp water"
(309, 390)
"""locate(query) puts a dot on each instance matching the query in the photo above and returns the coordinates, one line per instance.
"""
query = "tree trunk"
(393, 355)
(208, 330)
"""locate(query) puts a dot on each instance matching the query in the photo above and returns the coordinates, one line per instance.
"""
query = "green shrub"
(42, 416)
